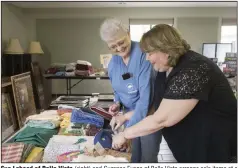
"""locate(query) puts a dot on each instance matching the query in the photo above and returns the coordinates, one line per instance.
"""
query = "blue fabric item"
(134, 93)
(60, 73)
(78, 116)
(88, 110)
(104, 137)
(42, 124)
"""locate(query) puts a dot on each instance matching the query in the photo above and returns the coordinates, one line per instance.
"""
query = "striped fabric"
(12, 152)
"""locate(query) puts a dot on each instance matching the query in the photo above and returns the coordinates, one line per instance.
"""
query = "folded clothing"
(62, 111)
(104, 158)
(48, 124)
(70, 67)
(44, 116)
(66, 120)
(60, 144)
(60, 73)
(66, 107)
(26, 151)
(68, 156)
(83, 68)
(36, 136)
(84, 62)
(12, 152)
(82, 73)
(70, 73)
(35, 155)
(78, 116)
(49, 112)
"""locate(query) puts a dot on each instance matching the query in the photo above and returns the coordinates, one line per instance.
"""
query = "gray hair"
(112, 28)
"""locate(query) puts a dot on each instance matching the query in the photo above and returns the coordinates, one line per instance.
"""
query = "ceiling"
(65, 4)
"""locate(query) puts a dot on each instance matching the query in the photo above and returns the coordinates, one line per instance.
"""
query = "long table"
(69, 78)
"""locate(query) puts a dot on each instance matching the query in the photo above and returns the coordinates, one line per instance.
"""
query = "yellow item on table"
(66, 116)
(35, 155)
(65, 123)
(66, 120)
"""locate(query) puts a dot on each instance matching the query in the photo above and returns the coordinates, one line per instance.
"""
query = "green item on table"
(36, 136)
(27, 150)
(80, 140)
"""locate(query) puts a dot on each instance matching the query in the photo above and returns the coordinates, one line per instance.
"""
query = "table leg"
(67, 86)
(70, 86)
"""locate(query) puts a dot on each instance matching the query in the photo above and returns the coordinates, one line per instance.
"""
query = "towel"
(26, 151)
(36, 136)
(66, 107)
(49, 112)
(60, 73)
(102, 112)
(48, 124)
(70, 73)
(78, 116)
(12, 152)
(105, 158)
(53, 117)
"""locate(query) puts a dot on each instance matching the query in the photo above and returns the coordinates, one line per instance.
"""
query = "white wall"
(197, 31)
(126, 13)
(62, 38)
(69, 40)
(16, 24)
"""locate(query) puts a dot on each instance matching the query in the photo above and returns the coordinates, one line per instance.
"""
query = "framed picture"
(9, 123)
(23, 96)
(38, 85)
(105, 59)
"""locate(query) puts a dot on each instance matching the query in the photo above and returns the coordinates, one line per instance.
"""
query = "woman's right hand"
(114, 109)
(117, 122)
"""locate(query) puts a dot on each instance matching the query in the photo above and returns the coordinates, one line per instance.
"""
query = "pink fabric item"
(12, 152)
(102, 112)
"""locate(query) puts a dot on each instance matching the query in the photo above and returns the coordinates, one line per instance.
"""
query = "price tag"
(98, 78)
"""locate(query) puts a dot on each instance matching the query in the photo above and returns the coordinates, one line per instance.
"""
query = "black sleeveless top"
(209, 132)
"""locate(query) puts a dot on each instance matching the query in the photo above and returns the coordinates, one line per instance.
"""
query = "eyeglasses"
(122, 42)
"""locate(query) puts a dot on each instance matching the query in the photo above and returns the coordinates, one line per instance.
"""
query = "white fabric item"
(50, 117)
(70, 66)
(62, 106)
(60, 144)
(84, 62)
(105, 158)
(49, 112)
(70, 73)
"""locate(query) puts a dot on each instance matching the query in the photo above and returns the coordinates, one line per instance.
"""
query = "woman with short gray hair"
(131, 77)
(196, 108)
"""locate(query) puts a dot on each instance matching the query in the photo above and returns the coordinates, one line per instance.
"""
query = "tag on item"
(100, 150)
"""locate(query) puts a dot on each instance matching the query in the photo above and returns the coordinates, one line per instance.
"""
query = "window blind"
(229, 21)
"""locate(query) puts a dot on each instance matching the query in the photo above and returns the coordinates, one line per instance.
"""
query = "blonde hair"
(166, 39)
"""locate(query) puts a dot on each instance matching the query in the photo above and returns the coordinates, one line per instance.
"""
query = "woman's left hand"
(118, 141)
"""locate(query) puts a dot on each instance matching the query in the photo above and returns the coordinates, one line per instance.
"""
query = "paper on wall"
(105, 59)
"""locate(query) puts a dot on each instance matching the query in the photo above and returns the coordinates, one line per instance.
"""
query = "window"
(229, 33)
(137, 31)
(140, 26)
